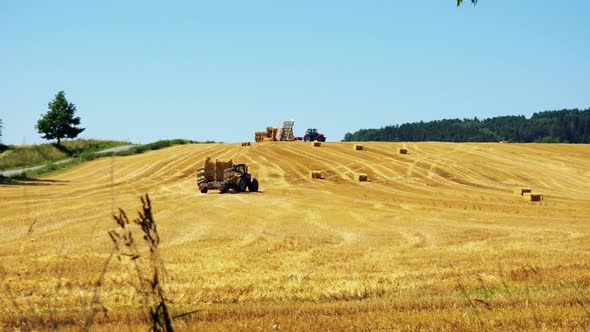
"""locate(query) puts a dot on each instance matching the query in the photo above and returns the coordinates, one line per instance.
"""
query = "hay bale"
(258, 136)
(315, 174)
(403, 151)
(209, 169)
(220, 167)
(521, 191)
(530, 197)
(245, 143)
(316, 144)
(358, 147)
(361, 177)
(267, 139)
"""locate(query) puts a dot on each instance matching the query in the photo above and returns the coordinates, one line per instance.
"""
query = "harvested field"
(435, 241)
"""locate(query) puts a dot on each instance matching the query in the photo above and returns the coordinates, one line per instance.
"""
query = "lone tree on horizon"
(59, 122)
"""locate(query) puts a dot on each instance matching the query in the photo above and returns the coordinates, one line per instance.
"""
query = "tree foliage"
(565, 126)
(460, 1)
(59, 122)
(1, 130)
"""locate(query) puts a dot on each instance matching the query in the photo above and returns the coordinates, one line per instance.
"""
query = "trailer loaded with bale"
(225, 176)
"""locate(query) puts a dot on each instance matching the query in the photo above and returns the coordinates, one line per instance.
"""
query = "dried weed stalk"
(149, 277)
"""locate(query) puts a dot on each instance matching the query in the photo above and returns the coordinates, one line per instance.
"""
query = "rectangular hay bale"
(361, 177)
(220, 167)
(245, 143)
(521, 191)
(209, 169)
(315, 174)
(403, 151)
(532, 197)
(316, 144)
(358, 147)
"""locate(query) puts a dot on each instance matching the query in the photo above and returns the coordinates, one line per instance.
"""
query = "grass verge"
(15, 157)
(90, 154)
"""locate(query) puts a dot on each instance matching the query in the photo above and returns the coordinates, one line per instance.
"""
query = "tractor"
(312, 134)
(236, 178)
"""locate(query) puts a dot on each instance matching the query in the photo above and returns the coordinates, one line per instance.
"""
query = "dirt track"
(441, 215)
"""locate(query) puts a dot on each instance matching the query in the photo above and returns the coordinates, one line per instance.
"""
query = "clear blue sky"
(220, 70)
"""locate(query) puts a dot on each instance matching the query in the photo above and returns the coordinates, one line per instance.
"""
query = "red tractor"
(312, 134)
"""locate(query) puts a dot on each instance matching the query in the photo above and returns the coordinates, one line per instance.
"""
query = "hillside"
(29, 155)
(434, 240)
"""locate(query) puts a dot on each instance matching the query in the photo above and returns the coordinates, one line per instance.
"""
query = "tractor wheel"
(204, 190)
(253, 187)
(306, 138)
(321, 139)
(224, 188)
(242, 185)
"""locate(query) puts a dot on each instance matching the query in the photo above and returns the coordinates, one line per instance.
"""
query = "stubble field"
(434, 240)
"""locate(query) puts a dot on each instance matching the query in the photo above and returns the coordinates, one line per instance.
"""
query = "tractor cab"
(241, 168)
(311, 131)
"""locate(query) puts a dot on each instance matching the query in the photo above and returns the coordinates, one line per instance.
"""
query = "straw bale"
(220, 166)
(358, 147)
(316, 144)
(361, 177)
(315, 174)
(209, 169)
(245, 143)
(521, 191)
(403, 151)
(532, 197)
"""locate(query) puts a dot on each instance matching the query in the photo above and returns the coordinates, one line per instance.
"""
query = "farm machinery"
(312, 134)
(225, 176)
(284, 132)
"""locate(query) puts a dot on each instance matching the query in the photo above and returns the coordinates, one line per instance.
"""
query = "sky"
(142, 71)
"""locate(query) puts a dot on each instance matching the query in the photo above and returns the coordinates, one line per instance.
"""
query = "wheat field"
(434, 240)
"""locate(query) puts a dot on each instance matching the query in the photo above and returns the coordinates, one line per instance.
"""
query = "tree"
(459, 2)
(0, 130)
(59, 122)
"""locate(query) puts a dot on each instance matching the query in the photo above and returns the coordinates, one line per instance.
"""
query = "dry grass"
(433, 242)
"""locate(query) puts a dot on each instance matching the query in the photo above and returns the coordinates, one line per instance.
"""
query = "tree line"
(564, 126)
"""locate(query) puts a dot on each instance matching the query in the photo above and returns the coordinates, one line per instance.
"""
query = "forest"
(563, 126)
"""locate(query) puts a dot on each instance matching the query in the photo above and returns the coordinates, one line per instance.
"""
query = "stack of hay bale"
(220, 166)
(214, 170)
(270, 135)
(315, 174)
(528, 195)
